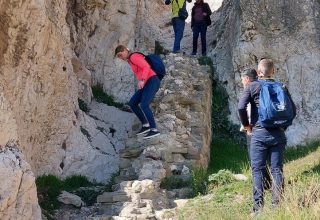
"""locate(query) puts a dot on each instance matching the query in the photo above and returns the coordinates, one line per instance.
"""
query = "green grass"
(226, 154)
(229, 199)
(301, 151)
(50, 187)
(233, 200)
(102, 97)
(83, 106)
(174, 182)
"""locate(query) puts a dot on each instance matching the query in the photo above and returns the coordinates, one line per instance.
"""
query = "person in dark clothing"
(265, 142)
(199, 22)
(248, 76)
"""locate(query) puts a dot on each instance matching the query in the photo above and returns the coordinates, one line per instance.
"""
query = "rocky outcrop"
(41, 81)
(287, 32)
(37, 80)
(92, 148)
(183, 112)
(17, 189)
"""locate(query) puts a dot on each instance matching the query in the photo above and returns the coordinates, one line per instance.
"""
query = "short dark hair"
(119, 48)
(251, 73)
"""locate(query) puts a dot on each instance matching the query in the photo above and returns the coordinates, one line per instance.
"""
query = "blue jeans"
(267, 144)
(199, 28)
(144, 96)
(266, 173)
(178, 28)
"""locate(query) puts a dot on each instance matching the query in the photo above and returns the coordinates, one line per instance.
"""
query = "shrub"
(102, 97)
(175, 182)
(199, 181)
(221, 178)
(49, 187)
(83, 106)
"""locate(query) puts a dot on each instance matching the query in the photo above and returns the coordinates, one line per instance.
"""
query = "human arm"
(208, 11)
(242, 108)
(142, 70)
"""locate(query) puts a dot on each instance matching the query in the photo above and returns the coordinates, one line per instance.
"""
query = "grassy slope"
(234, 200)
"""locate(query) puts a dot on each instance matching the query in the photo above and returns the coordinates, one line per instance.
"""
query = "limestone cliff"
(38, 86)
(288, 32)
(17, 189)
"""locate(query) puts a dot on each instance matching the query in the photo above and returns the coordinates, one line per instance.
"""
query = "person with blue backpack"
(149, 70)
(272, 111)
(248, 76)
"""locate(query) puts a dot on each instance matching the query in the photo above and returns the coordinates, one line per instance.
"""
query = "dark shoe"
(151, 134)
(143, 130)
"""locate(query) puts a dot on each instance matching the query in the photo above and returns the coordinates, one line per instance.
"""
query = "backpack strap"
(132, 54)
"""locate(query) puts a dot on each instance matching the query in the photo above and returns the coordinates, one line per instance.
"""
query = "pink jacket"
(140, 67)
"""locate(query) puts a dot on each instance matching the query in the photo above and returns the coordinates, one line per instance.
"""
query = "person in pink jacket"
(148, 85)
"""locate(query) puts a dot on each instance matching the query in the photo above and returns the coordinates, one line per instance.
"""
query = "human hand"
(140, 84)
(248, 129)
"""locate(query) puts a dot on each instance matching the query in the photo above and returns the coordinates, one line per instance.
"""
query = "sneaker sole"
(155, 135)
(146, 131)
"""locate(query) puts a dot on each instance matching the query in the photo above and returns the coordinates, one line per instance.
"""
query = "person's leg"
(203, 32)
(134, 105)
(266, 172)
(179, 28)
(276, 165)
(149, 91)
(258, 155)
(196, 31)
(267, 177)
(174, 25)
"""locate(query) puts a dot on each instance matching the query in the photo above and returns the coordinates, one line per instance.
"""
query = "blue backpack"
(155, 63)
(275, 105)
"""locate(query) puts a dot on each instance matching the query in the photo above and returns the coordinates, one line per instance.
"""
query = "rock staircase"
(183, 114)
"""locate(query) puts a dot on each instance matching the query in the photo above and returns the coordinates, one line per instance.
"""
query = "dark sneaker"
(151, 134)
(143, 130)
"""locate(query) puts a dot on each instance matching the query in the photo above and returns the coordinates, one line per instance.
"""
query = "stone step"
(113, 197)
(122, 178)
(131, 152)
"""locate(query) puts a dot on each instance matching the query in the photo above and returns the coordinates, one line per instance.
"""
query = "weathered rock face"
(285, 31)
(37, 81)
(99, 26)
(17, 189)
(92, 148)
(183, 114)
